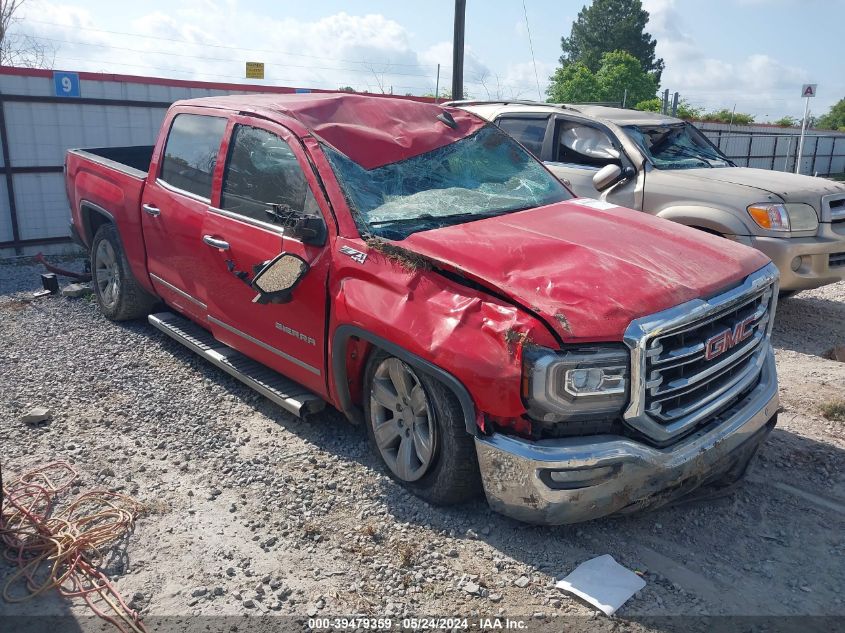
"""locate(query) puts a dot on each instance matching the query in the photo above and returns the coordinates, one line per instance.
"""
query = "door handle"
(151, 210)
(223, 245)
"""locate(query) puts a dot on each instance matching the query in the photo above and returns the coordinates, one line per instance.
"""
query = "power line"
(531, 47)
(228, 60)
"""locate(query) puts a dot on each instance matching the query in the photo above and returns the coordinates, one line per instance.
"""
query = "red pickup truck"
(413, 266)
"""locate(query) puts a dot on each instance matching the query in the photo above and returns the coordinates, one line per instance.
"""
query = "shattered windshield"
(479, 176)
(679, 146)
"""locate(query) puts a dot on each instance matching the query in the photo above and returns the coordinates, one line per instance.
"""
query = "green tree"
(619, 71)
(786, 121)
(346, 89)
(611, 25)
(726, 116)
(835, 119)
(686, 111)
(573, 83)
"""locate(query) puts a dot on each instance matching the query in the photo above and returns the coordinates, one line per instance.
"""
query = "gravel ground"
(254, 512)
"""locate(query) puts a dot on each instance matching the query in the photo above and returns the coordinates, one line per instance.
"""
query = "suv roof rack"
(502, 102)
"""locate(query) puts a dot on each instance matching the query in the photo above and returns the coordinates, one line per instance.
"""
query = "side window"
(262, 175)
(191, 152)
(528, 131)
(585, 145)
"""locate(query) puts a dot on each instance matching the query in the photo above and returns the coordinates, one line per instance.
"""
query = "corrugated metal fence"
(773, 148)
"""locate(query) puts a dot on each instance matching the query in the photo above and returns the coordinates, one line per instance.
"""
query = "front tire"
(118, 293)
(416, 426)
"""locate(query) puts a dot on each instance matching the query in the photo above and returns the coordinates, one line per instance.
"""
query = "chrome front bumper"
(607, 474)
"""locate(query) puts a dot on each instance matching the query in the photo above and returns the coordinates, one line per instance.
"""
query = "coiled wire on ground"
(63, 546)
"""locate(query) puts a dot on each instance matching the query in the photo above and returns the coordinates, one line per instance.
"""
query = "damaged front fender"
(440, 323)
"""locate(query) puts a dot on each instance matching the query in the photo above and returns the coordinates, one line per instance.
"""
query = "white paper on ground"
(602, 582)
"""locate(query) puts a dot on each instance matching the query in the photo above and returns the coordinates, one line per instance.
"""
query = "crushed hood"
(589, 272)
(789, 187)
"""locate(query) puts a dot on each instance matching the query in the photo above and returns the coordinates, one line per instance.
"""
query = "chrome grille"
(681, 379)
(690, 363)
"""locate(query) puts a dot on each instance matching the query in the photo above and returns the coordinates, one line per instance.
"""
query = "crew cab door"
(266, 174)
(574, 149)
(174, 205)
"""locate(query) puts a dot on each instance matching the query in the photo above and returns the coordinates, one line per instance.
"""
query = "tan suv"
(667, 167)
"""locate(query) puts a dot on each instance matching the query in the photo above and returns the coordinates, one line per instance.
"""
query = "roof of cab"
(371, 130)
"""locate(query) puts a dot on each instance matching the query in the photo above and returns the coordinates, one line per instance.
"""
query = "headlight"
(579, 383)
(784, 217)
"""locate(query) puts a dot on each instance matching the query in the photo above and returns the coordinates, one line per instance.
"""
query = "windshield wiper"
(680, 151)
(454, 216)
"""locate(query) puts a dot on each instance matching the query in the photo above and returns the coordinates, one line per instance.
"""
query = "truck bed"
(107, 183)
(134, 159)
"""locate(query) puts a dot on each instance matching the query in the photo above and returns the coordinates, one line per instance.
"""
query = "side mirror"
(310, 229)
(277, 279)
(607, 176)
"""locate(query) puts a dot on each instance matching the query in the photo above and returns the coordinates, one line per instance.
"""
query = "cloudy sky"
(754, 54)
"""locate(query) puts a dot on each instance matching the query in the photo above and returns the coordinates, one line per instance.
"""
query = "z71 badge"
(357, 256)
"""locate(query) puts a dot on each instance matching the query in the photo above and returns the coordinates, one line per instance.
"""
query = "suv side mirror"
(277, 279)
(607, 176)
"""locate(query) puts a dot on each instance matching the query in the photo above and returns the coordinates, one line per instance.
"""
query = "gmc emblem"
(723, 341)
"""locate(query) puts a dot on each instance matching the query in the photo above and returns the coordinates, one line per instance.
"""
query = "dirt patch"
(516, 340)
(15, 305)
(407, 259)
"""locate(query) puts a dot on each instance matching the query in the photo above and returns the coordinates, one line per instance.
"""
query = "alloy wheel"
(403, 425)
(107, 274)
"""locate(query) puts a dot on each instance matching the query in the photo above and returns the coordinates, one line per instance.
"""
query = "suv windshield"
(479, 176)
(678, 146)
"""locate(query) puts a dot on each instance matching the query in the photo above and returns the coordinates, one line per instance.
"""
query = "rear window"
(190, 153)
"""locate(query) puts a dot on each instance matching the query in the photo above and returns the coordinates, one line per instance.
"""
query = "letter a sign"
(809, 90)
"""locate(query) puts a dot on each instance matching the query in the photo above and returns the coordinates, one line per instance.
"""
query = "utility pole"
(458, 50)
(675, 104)
(666, 101)
(437, 86)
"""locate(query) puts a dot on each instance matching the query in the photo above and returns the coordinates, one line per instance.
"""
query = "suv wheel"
(415, 424)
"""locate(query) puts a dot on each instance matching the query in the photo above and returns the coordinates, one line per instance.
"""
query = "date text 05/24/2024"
(415, 624)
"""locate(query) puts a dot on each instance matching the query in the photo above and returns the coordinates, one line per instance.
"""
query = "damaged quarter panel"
(472, 335)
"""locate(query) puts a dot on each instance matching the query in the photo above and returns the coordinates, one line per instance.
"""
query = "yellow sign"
(255, 70)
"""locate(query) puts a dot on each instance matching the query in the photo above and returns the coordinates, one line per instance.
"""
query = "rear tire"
(118, 293)
(418, 431)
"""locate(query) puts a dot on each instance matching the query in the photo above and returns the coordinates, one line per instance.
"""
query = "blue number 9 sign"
(66, 84)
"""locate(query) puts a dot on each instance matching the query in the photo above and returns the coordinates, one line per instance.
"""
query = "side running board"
(271, 384)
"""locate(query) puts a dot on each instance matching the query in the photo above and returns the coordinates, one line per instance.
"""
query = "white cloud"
(757, 83)
(199, 40)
